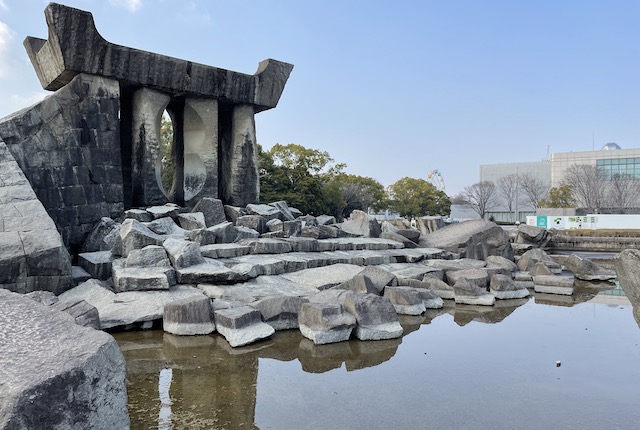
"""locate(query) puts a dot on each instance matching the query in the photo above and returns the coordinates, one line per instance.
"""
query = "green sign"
(541, 221)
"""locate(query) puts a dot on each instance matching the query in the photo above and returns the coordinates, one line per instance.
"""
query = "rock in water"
(553, 284)
(281, 313)
(325, 322)
(375, 315)
(586, 270)
(628, 270)
(503, 287)
(188, 317)
(405, 300)
(469, 293)
(55, 373)
(241, 325)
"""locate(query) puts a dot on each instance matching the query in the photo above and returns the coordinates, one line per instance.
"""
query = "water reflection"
(201, 382)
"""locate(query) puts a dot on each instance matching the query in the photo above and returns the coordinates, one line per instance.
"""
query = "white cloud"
(132, 5)
(20, 101)
(6, 36)
(3, 5)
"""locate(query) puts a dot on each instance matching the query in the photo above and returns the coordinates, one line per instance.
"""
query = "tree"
(481, 197)
(534, 189)
(300, 176)
(359, 192)
(623, 191)
(588, 184)
(559, 197)
(412, 197)
(508, 188)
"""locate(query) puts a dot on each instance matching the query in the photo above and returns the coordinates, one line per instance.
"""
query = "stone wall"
(68, 146)
(32, 255)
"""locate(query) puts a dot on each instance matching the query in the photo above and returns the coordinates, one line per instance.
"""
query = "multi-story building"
(611, 159)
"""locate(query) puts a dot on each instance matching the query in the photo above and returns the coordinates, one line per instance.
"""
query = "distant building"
(611, 159)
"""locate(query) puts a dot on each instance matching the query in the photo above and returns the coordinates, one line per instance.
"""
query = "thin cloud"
(6, 36)
(3, 5)
(132, 5)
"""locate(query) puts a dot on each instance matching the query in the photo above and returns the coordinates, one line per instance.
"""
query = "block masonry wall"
(68, 146)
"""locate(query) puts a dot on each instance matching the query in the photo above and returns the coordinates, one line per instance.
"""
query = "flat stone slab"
(478, 276)
(459, 264)
(55, 373)
(143, 278)
(258, 288)
(124, 309)
(405, 300)
(210, 271)
(241, 325)
(552, 284)
(224, 250)
(324, 277)
(375, 316)
(281, 312)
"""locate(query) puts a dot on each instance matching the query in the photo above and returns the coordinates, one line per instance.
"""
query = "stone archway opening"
(167, 154)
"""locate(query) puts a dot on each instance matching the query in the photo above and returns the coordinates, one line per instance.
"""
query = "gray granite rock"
(325, 323)
(499, 261)
(380, 277)
(166, 226)
(245, 233)
(539, 269)
(360, 224)
(168, 210)
(459, 264)
(430, 299)
(224, 232)
(285, 212)
(142, 278)
(292, 228)
(536, 255)
(232, 213)
(45, 353)
(192, 221)
(97, 264)
(472, 239)
(138, 214)
(441, 288)
(405, 300)
(375, 316)
(241, 325)
(183, 253)
(188, 317)
(275, 226)
(79, 275)
(213, 211)
(254, 222)
(503, 287)
(267, 246)
(128, 308)
(268, 212)
(398, 238)
(552, 284)
(149, 256)
(280, 312)
(429, 224)
(479, 276)
(585, 269)
(469, 293)
(225, 250)
(529, 234)
(47, 298)
(102, 237)
(322, 278)
(627, 265)
(326, 219)
(523, 279)
(360, 284)
(134, 235)
(82, 312)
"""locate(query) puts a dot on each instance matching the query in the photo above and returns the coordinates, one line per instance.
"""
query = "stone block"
(326, 219)
(285, 212)
(213, 211)
(246, 233)
(142, 278)
(292, 228)
(241, 325)
(281, 312)
(405, 300)
(183, 253)
(192, 220)
(82, 312)
(46, 254)
(102, 237)
(553, 284)
(139, 215)
(57, 365)
(79, 275)
(224, 250)
(187, 317)
(503, 287)
(375, 316)
(97, 264)
(134, 235)
(268, 212)
(469, 293)
(232, 213)
(360, 284)
(149, 256)
(325, 323)
(254, 222)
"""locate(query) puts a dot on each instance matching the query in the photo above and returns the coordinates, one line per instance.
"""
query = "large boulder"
(325, 322)
(188, 317)
(534, 256)
(503, 287)
(134, 235)
(241, 325)
(361, 224)
(55, 373)
(212, 209)
(375, 315)
(280, 312)
(469, 293)
(471, 239)
(102, 237)
(429, 224)
(585, 269)
(628, 270)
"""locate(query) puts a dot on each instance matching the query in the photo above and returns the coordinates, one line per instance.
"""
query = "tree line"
(583, 185)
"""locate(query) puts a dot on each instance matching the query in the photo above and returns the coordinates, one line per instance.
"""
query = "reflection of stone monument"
(92, 149)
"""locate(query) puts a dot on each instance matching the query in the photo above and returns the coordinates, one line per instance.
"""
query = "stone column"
(148, 106)
(240, 181)
(200, 150)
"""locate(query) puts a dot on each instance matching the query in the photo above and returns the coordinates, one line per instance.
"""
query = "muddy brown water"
(462, 367)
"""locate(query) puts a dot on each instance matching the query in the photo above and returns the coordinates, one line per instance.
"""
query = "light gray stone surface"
(375, 316)
(149, 256)
(324, 277)
(627, 265)
(280, 312)
(539, 269)
(213, 211)
(55, 373)
(188, 317)
(241, 325)
(124, 309)
(135, 235)
(83, 313)
(102, 237)
(192, 220)
(360, 284)
(142, 278)
(325, 323)
(503, 287)
(472, 239)
(183, 253)
(499, 261)
(405, 300)
(536, 255)
(97, 264)
(441, 288)
(585, 269)
(479, 276)
(469, 293)
(529, 234)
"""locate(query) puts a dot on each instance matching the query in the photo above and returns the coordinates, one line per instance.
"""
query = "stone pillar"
(239, 160)
(200, 150)
(148, 106)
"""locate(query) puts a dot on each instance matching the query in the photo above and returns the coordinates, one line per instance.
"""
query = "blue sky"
(393, 88)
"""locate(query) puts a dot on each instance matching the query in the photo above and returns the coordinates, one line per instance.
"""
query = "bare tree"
(534, 189)
(588, 184)
(481, 197)
(508, 188)
(623, 191)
